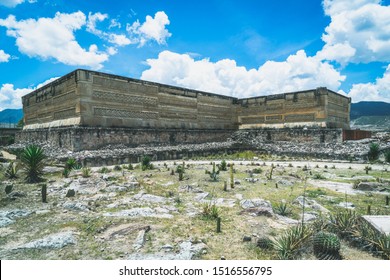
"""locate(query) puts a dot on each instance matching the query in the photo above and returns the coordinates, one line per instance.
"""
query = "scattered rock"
(75, 206)
(14, 195)
(70, 193)
(140, 240)
(257, 207)
(138, 212)
(167, 247)
(54, 241)
(187, 252)
(369, 186)
(150, 198)
(201, 196)
(346, 205)
(237, 182)
(193, 188)
(4, 221)
(284, 182)
(247, 239)
(252, 180)
(308, 217)
(310, 203)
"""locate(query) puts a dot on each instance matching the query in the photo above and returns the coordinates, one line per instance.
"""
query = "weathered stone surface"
(4, 221)
(257, 207)
(347, 205)
(310, 203)
(187, 251)
(140, 240)
(370, 186)
(139, 212)
(256, 202)
(75, 206)
(54, 241)
(149, 198)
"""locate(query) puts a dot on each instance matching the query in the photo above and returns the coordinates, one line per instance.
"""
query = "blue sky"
(238, 48)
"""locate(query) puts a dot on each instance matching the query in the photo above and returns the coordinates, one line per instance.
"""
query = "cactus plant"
(326, 246)
(264, 243)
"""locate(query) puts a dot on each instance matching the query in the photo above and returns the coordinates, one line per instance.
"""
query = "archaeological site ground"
(108, 167)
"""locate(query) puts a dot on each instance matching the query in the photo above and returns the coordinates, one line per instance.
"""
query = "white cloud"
(151, 29)
(11, 3)
(93, 19)
(377, 91)
(359, 31)
(11, 97)
(298, 72)
(54, 38)
(4, 57)
(14, 3)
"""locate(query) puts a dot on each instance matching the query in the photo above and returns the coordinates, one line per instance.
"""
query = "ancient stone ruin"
(87, 110)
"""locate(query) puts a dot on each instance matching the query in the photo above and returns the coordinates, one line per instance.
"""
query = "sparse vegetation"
(213, 173)
(11, 171)
(373, 152)
(33, 162)
(146, 163)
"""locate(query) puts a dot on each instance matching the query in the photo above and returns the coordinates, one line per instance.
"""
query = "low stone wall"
(299, 135)
(92, 138)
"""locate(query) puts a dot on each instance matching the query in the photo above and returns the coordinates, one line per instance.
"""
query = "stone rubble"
(54, 241)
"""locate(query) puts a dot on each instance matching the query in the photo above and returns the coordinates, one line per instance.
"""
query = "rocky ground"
(117, 213)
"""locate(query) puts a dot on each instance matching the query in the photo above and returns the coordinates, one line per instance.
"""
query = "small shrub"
(318, 176)
(146, 163)
(86, 172)
(104, 170)
(210, 211)
(117, 168)
(70, 163)
(11, 171)
(65, 173)
(282, 209)
(130, 167)
(180, 170)
(214, 173)
(373, 152)
(223, 165)
(257, 170)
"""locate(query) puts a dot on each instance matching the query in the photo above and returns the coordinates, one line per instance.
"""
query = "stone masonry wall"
(84, 138)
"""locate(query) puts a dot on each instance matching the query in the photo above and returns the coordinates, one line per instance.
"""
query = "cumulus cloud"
(4, 57)
(359, 31)
(54, 38)
(298, 72)
(151, 29)
(377, 91)
(11, 97)
(12, 3)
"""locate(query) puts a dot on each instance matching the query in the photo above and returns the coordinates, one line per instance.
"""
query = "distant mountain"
(369, 108)
(11, 115)
(370, 115)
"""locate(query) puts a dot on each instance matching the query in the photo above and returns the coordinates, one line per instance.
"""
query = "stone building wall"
(95, 99)
(90, 110)
(313, 108)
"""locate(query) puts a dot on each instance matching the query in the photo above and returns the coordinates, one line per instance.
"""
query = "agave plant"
(33, 162)
(289, 243)
(344, 223)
